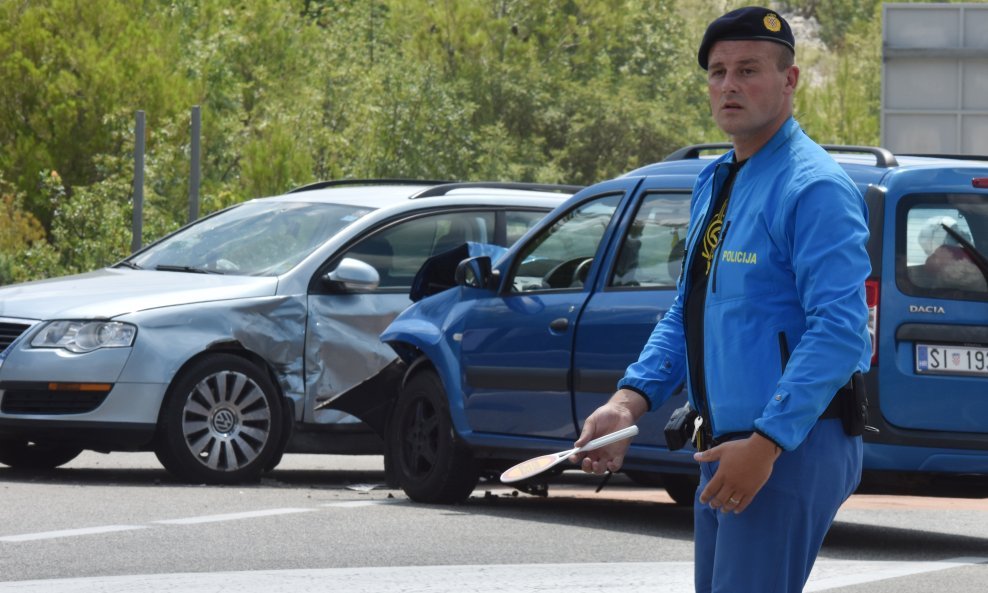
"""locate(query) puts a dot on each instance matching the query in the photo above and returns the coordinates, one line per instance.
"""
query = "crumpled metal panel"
(345, 355)
(272, 327)
(343, 349)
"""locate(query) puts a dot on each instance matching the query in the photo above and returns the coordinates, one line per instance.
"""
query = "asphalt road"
(119, 523)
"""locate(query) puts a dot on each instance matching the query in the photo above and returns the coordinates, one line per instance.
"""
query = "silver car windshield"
(259, 238)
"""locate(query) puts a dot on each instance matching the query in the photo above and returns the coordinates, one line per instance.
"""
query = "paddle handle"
(607, 439)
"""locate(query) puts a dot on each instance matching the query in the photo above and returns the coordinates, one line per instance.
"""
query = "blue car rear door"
(932, 356)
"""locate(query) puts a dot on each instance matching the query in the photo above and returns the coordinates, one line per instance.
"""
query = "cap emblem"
(772, 23)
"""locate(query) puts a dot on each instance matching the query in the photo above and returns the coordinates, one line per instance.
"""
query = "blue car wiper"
(189, 269)
(977, 257)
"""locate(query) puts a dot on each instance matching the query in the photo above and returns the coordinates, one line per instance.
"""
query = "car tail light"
(981, 182)
(871, 297)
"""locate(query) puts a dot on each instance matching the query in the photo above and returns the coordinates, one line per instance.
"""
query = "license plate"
(952, 360)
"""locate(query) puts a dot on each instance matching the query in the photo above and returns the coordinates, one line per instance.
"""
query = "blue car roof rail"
(444, 189)
(958, 157)
(883, 156)
(342, 182)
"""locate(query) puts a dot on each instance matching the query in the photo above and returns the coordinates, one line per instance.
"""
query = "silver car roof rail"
(342, 182)
(441, 190)
(883, 156)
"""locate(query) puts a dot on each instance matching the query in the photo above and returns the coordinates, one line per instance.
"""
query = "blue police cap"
(751, 22)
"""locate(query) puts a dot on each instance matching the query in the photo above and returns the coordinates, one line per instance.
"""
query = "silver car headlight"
(85, 336)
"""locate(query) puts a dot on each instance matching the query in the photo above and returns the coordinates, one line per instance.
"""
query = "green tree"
(65, 65)
(841, 104)
(20, 230)
(292, 91)
(837, 18)
(255, 69)
(555, 76)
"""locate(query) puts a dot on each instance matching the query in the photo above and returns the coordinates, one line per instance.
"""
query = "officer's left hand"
(745, 466)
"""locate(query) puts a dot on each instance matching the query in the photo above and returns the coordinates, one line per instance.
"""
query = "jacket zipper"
(720, 247)
(704, 402)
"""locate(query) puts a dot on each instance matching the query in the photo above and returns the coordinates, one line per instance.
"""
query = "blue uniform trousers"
(771, 546)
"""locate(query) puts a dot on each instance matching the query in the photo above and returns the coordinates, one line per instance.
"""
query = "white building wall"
(935, 78)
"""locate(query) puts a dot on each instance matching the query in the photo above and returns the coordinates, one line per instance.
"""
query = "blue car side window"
(561, 255)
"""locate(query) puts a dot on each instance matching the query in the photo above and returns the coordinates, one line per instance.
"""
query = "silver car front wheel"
(221, 422)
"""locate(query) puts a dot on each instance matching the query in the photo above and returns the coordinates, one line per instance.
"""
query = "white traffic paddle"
(536, 465)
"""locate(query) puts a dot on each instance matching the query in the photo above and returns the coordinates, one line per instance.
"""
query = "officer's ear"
(792, 79)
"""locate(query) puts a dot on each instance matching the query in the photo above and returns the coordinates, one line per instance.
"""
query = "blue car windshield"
(258, 238)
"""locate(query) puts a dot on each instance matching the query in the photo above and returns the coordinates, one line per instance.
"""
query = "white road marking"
(26, 537)
(616, 577)
(350, 504)
(232, 516)
(832, 575)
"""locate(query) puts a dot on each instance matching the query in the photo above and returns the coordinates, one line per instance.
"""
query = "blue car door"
(516, 346)
(635, 287)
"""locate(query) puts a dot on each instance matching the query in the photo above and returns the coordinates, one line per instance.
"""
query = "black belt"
(833, 411)
(709, 442)
(834, 407)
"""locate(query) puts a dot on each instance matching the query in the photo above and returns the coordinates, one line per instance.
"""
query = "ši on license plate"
(952, 360)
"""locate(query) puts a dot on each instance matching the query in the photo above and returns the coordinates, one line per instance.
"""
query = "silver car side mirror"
(353, 275)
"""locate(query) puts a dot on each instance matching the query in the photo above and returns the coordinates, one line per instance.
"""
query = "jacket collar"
(764, 155)
(786, 131)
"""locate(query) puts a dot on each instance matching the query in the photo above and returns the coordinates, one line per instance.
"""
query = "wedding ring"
(733, 500)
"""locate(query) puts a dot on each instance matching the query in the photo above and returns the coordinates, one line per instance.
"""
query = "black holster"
(679, 428)
(854, 406)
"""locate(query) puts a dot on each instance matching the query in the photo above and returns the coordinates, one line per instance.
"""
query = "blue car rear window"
(942, 245)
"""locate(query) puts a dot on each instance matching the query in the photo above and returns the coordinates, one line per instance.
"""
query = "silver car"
(244, 335)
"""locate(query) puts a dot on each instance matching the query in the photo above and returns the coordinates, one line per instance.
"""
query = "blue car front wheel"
(432, 463)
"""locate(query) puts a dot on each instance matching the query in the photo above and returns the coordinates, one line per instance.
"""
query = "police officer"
(769, 323)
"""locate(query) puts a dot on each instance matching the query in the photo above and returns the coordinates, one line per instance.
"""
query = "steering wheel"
(581, 272)
(571, 272)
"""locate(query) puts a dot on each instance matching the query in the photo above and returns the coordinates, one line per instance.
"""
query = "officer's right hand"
(622, 411)
(745, 465)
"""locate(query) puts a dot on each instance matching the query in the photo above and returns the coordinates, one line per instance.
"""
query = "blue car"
(529, 340)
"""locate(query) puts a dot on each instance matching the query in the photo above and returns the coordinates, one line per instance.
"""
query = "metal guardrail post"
(194, 164)
(137, 227)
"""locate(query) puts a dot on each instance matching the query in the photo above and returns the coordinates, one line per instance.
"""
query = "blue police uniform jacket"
(788, 273)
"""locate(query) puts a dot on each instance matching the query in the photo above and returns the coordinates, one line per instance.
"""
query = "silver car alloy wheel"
(226, 421)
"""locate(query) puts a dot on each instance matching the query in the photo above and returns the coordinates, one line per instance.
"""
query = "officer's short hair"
(786, 59)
